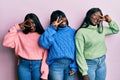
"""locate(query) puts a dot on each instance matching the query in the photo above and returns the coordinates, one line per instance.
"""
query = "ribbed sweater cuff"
(44, 76)
(84, 73)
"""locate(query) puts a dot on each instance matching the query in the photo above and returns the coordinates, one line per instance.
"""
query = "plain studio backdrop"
(14, 11)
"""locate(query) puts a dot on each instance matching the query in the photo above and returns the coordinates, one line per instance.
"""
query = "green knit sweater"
(90, 44)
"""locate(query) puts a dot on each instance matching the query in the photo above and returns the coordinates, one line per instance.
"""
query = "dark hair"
(39, 28)
(86, 22)
(56, 14)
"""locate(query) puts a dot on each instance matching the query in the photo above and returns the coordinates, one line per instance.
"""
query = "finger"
(27, 25)
(27, 21)
(71, 72)
(60, 17)
(60, 21)
(57, 19)
(101, 16)
(103, 19)
(106, 15)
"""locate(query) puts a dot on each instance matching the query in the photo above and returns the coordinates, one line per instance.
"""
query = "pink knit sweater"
(26, 46)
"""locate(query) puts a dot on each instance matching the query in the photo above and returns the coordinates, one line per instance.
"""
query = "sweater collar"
(92, 27)
(62, 27)
(53, 27)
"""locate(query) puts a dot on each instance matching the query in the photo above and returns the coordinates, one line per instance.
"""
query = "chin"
(94, 24)
(33, 30)
(61, 26)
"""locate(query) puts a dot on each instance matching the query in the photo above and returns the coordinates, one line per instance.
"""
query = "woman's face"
(31, 25)
(63, 23)
(95, 18)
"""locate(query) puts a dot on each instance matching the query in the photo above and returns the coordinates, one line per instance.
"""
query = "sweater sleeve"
(11, 37)
(80, 58)
(44, 66)
(45, 40)
(73, 66)
(112, 29)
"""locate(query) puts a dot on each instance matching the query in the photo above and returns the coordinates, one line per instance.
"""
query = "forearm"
(46, 38)
(11, 37)
(114, 27)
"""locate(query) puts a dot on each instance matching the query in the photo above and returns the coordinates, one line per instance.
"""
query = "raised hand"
(107, 18)
(57, 22)
(24, 24)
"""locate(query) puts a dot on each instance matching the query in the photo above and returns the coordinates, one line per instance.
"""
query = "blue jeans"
(29, 69)
(59, 70)
(97, 68)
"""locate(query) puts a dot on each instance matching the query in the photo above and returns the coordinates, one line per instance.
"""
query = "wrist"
(55, 24)
(109, 21)
(86, 77)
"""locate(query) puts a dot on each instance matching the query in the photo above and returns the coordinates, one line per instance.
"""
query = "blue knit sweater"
(61, 44)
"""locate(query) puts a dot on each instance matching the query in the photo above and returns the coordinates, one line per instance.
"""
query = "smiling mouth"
(96, 21)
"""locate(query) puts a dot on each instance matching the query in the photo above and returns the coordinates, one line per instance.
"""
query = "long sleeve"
(11, 37)
(73, 66)
(46, 38)
(80, 58)
(112, 29)
(44, 66)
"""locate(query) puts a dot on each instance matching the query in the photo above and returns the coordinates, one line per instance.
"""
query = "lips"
(95, 21)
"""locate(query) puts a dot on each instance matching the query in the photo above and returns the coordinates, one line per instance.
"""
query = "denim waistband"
(20, 58)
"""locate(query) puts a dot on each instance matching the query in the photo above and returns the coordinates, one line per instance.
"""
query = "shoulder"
(72, 29)
(80, 32)
(50, 28)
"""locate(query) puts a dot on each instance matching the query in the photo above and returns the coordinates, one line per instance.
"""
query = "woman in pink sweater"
(23, 38)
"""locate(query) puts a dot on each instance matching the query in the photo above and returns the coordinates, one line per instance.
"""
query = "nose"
(97, 17)
(30, 24)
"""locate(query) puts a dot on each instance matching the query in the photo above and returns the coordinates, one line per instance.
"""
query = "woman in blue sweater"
(58, 38)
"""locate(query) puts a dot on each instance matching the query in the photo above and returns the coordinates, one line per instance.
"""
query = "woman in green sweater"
(90, 44)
